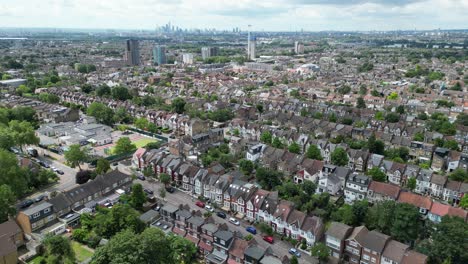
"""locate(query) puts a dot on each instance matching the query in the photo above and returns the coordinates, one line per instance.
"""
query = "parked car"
(221, 215)
(32, 152)
(209, 208)
(234, 221)
(39, 198)
(44, 164)
(115, 164)
(26, 203)
(200, 204)
(170, 189)
(141, 177)
(148, 191)
(59, 172)
(269, 239)
(295, 252)
(157, 207)
(251, 230)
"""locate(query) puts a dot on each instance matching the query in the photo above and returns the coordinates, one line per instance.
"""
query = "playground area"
(135, 138)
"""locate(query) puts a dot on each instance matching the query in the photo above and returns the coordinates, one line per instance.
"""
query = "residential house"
(207, 236)
(380, 191)
(373, 247)
(394, 252)
(236, 252)
(423, 203)
(253, 254)
(335, 238)
(36, 217)
(439, 159)
(437, 185)
(168, 212)
(413, 257)
(11, 238)
(454, 191)
(255, 152)
(180, 222)
(356, 187)
(423, 181)
(439, 210)
(221, 245)
(354, 244)
(193, 227)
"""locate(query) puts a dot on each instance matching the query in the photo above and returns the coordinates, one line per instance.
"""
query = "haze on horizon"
(272, 15)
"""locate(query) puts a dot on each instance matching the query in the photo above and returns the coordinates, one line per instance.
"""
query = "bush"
(82, 176)
(265, 228)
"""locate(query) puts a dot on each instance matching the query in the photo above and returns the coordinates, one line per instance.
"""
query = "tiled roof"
(385, 189)
(415, 199)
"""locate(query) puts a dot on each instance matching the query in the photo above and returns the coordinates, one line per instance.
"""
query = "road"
(280, 248)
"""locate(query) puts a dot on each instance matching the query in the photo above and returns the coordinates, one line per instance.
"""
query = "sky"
(272, 15)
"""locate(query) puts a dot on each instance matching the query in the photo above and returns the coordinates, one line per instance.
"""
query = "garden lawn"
(81, 252)
(36, 260)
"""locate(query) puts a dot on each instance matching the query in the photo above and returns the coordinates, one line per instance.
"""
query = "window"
(222, 242)
(46, 210)
(366, 257)
(373, 260)
(36, 215)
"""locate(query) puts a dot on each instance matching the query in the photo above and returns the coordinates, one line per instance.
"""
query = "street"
(280, 248)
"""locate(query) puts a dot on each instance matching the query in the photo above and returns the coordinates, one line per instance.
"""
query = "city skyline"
(275, 15)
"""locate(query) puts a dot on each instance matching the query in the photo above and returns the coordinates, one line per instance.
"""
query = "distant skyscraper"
(209, 52)
(187, 58)
(132, 52)
(159, 55)
(298, 47)
(251, 46)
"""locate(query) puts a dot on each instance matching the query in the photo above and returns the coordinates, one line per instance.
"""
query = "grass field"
(138, 143)
(142, 142)
(81, 252)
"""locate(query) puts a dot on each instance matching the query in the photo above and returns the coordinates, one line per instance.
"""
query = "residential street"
(178, 197)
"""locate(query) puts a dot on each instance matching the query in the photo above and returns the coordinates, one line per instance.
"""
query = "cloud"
(275, 15)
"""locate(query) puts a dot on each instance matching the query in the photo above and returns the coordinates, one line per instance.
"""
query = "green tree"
(102, 166)
(406, 224)
(419, 137)
(380, 216)
(59, 248)
(23, 133)
(313, 152)
(393, 96)
(448, 241)
(339, 157)
(137, 197)
(459, 175)
(7, 202)
(268, 178)
(360, 103)
(321, 251)
(75, 155)
(183, 250)
(124, 145)
(294, 148)
(375, 146)
(266, 137)
(451, 144)
(464, 202)
(345, 215)
(165, 178)
(392, 117)
(277, 143)
(294, 260)
(103, 91)
(246, 166)
(178, 105)
(11, 174)
(162, 193)
(141, 123)
(101, 112)
(377, 175)
(121, 93)
(411, 184)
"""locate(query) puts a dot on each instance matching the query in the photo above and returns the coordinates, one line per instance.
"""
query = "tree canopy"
(124, 145)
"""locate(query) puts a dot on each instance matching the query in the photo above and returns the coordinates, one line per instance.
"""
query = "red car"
(268, 239)
(200, 204)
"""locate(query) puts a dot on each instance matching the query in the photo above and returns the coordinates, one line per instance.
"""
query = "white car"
(209, 208)
(234, 221)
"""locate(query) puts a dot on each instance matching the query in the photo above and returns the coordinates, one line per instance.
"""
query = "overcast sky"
(272, 15)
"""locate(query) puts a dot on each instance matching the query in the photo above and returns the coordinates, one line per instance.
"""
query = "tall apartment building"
(159, 55)
(298, 47)
(132, 52)
(251, 47)
(187, 58)
(209, 52)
